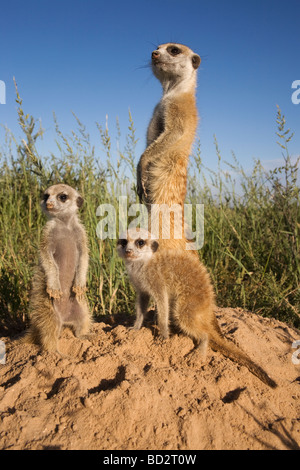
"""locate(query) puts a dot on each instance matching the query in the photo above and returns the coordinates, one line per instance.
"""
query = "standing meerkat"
(162, 169)
(182, 290)
(59, 283)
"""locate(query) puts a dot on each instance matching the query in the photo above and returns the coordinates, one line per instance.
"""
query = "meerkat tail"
(231, 351)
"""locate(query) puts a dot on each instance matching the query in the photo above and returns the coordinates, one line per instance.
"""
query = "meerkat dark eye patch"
(140, 243)
(62, 197)
(174, 50)
(45, 197)
(122, 242)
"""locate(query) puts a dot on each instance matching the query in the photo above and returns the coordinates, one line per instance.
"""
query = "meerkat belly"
(66, 257)
(167, 176)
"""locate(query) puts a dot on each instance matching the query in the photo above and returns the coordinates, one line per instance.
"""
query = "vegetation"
(252, 221)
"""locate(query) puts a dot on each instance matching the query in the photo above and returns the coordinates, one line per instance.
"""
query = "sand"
(122, 389)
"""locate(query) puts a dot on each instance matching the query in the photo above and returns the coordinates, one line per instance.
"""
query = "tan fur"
(162, 169)
(59, 283)
(182, 290)
(164, 163)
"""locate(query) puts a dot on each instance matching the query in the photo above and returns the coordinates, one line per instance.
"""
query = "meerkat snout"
(49, 205)
(155, 55)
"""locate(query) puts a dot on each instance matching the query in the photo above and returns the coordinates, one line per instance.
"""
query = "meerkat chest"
(64, 244)
(138, 276)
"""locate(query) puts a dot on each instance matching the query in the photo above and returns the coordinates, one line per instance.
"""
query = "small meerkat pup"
(162, 169)
(181, 287)
(59, 283)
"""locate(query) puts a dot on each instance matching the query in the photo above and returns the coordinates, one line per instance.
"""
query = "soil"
(122, 389)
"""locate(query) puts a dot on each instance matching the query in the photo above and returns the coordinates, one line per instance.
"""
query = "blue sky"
(88, 56)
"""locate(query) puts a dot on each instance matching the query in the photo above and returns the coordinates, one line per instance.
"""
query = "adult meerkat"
(162, 169)
(59, 283)
(182, 290)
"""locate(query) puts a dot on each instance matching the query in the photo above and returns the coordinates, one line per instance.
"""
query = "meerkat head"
(61, 201)
(174, 62)
(136, 245)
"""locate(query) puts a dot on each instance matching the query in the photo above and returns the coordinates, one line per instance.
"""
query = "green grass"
(251, 245)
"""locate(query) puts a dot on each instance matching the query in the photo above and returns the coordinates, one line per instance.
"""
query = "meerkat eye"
(140, 243)
(62, 197)
(45, 197)
(173, 50)
(123, 243)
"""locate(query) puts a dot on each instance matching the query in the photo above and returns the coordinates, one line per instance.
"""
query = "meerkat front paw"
(54, 293)
(79, 292)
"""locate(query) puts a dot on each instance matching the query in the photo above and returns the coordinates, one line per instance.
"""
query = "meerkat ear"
(79, 201)
(196, 59)
(154, 246)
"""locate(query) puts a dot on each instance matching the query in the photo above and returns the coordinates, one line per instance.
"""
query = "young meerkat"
(183, 292)
(59, 283)
(162, 169)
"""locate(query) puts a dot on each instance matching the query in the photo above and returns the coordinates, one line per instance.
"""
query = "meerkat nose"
(155, 55)
(128, 250)
(49, 205)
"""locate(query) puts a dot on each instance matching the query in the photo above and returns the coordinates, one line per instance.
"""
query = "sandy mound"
(122, 389)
